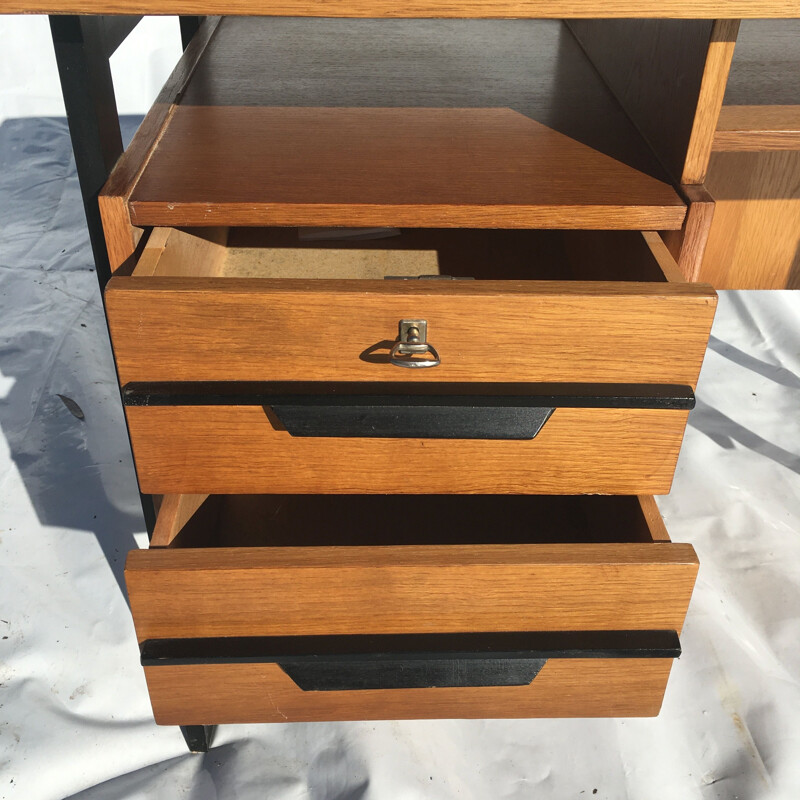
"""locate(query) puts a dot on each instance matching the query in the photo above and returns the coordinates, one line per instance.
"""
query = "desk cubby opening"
(448, 123)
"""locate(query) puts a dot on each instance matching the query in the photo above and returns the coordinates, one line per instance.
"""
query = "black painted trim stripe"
(411, 661)
(464, 395)
(505, 645)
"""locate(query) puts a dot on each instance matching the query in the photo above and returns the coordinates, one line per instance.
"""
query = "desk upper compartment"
(453, 123)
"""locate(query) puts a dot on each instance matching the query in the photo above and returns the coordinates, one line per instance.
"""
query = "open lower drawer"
(276, 608)
(267, 360)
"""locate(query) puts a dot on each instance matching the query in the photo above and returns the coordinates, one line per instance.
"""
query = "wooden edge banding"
(175, 511)
(658, 531)
(758, 128)
(688, 245)
(666, 262)
(392, 557)
(121, 234)
(709, 103)
(496, 9)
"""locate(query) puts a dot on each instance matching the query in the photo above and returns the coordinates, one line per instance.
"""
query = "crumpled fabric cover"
(75, 719)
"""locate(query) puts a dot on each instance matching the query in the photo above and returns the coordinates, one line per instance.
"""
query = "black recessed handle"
(411, 410)
(411, 661)
(411, 417)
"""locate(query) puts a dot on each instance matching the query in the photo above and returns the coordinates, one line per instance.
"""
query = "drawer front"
(218, 693)
(583, 627)
(284, 591)
(227, 449)
(242, 329)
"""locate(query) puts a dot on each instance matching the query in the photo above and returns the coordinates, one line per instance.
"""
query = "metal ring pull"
(412, 341)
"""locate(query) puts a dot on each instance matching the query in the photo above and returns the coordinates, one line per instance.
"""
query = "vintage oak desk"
(340, 536)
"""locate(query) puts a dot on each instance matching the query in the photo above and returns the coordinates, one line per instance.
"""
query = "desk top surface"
(685, 9)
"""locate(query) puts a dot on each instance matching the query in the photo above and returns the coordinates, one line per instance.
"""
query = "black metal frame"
(83, 46)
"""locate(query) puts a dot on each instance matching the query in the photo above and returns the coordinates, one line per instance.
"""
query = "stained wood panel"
(121, 236)
(412, 589)
(388, 166)
(591, 687)
(758, 128)
(754, 241)
(236, 449)
(534, 67)
(174, 329)
(686, 9)
(670, 77)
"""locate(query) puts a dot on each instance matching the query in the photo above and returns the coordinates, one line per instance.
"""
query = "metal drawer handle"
(413, 342)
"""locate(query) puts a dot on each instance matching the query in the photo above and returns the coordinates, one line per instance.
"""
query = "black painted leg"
(83, 45)
(198, 737)
(189, 27)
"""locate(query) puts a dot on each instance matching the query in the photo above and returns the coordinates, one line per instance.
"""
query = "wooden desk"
(562, 175)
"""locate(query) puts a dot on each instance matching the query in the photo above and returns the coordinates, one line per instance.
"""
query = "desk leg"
(83, 46)
(198, 737)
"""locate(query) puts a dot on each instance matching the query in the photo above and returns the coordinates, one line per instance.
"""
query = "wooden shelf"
(407, 123)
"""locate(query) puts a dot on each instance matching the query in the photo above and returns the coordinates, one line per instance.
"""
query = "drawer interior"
(387, 253)
(232, 521)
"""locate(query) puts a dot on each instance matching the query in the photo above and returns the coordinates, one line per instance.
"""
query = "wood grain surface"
(754, 242)
(121, 236)
(535, 67)
(758, 128)
(656, 70)
(229, 329)
(236, 693)
(688, 245)
(288, 591)
(712, 89)
(554, 9)
(174, 511)
(489, 167)
(236, 449)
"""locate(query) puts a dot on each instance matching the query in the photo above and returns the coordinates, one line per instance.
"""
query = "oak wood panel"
(236, 449)
(758, 128)
(173, 329)
(709, 102)
(388, 166)
(554, 9)
(655, 68)
(766, 63)
(217, 694)
(121, 236)
(286, 591)
(174, 511)
(754, 242)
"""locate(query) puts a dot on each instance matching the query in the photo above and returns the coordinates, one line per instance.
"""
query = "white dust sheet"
(74, 714)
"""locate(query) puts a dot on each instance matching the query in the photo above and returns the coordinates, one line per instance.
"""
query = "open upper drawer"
(230, 353)
(313, 608)
(449, 123)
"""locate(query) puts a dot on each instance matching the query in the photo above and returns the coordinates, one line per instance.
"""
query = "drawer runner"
(411, 661)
